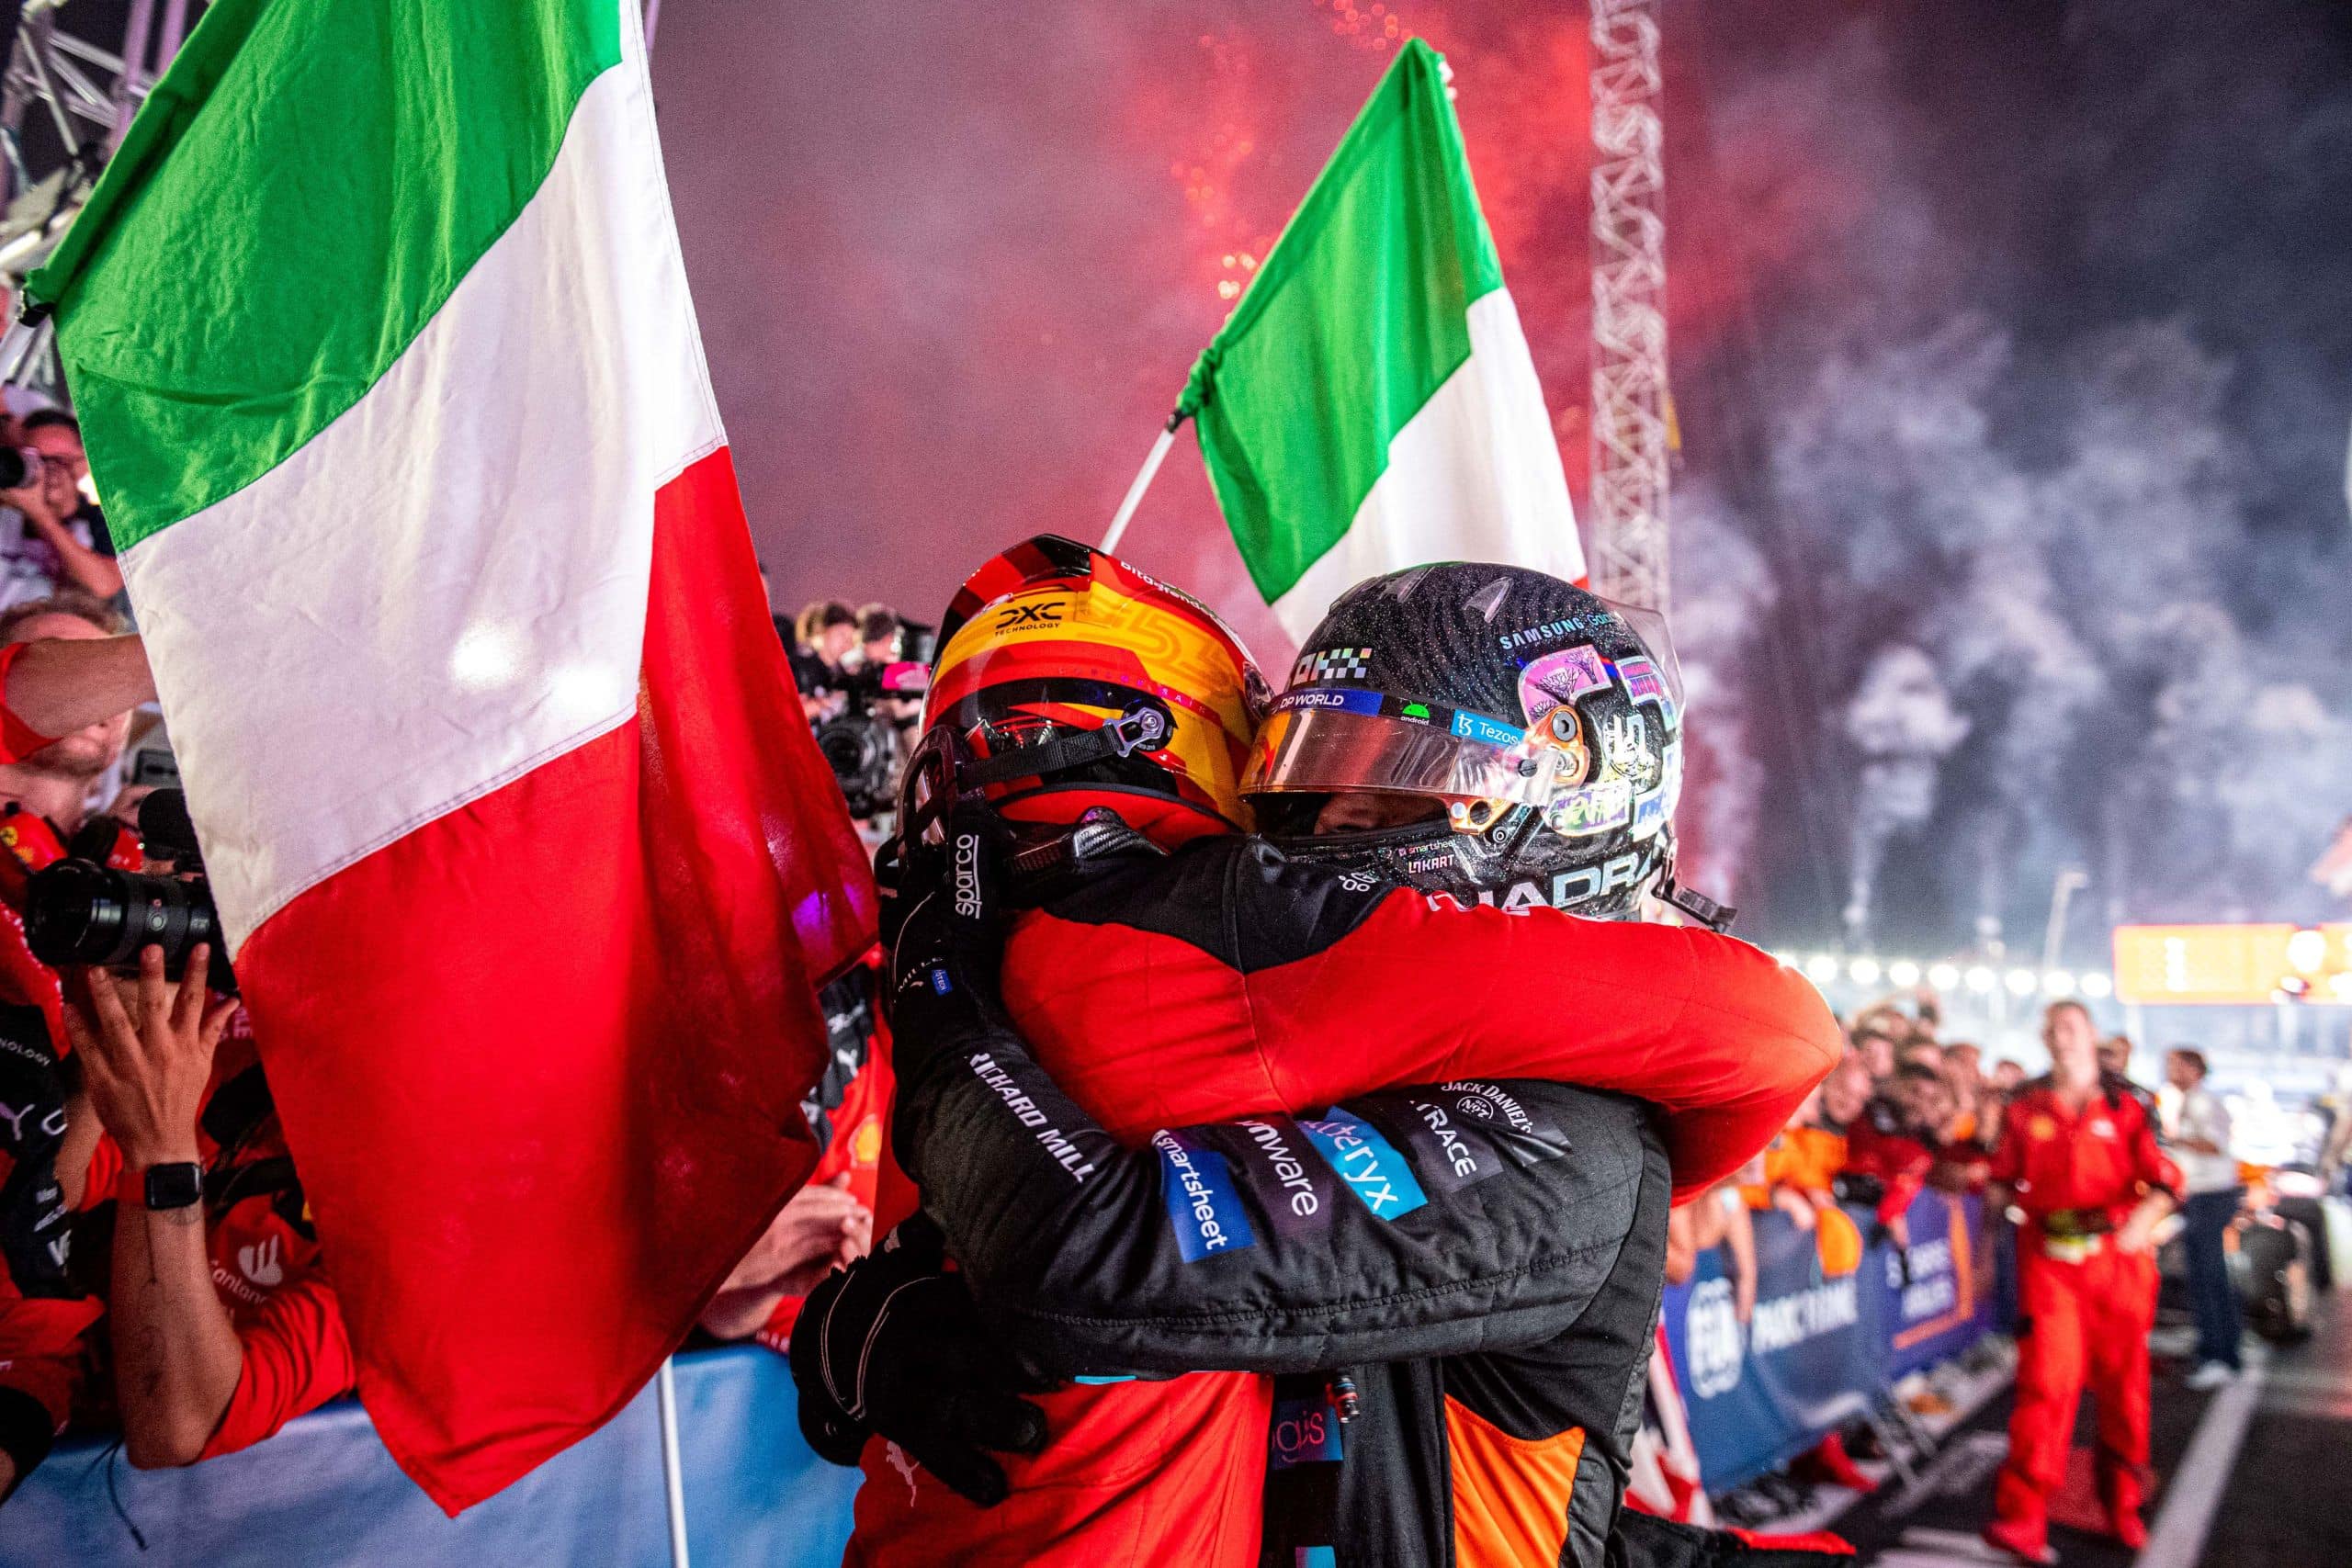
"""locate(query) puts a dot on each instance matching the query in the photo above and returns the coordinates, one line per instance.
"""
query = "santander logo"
(260, 1263)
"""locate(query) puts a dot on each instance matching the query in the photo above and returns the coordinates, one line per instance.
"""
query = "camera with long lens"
(863, 750)
(82, 910)
(865, 746)
(19, 465)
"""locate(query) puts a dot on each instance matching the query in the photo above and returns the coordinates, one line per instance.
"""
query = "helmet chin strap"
(1715, 916)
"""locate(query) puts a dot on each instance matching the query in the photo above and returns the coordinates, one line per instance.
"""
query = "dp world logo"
(1711, 1338)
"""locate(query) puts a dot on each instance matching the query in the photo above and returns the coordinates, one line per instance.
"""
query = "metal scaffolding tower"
(1630, 431)
(65, 100)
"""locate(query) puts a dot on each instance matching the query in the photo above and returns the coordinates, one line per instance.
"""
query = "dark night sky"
(2020, 337)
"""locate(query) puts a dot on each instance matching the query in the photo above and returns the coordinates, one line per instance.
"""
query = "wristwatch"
(175, 1186)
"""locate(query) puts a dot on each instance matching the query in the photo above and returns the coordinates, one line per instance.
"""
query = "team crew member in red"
(830, 1222)
(2078, 1156)
(65, 681)
(222, 1322)
(1890, 1153)
(1227, 978)
(68, 684)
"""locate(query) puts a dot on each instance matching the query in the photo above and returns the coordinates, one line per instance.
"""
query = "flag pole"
(673, 1486)
(1143, 482)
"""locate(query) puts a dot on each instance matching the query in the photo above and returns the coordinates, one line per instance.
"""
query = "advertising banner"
(1945, 1304)
(1817, 1348)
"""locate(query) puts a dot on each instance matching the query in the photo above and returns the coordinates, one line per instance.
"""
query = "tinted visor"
(1327, 751)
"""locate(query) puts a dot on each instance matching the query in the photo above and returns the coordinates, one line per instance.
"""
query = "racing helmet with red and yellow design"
(1071, 680)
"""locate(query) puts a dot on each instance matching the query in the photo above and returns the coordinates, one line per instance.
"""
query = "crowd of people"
(1907, 1109)
(165, 1275)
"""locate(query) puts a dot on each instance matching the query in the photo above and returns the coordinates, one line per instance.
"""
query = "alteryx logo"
(1370, 1164)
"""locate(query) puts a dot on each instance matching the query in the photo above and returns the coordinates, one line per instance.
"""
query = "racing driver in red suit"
(1229, 978)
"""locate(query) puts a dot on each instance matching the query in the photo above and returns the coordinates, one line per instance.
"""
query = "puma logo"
(905, 1465)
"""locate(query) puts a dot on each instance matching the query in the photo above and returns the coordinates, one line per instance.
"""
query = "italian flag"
(1371, 403)
(380, 339)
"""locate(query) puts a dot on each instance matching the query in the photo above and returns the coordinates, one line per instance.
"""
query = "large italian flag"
(1371, 403)
(381, 342)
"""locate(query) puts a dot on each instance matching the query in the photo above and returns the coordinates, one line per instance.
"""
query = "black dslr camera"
(84, 911)
(865, 744)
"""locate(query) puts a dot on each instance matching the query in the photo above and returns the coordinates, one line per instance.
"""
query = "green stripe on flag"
(1356, 319)
(300, 193)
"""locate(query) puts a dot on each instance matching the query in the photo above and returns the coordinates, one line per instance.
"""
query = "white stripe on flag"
(447, 586)
(1475, 475)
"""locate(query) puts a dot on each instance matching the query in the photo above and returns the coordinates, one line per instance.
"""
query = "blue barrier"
(323, 1490)
(1817, 1349)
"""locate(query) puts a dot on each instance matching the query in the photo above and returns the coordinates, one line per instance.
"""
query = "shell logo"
(866, 1144)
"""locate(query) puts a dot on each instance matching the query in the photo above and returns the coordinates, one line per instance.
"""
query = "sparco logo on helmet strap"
(968, 875)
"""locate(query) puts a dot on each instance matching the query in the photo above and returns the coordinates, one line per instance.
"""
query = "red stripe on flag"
(540, 1062)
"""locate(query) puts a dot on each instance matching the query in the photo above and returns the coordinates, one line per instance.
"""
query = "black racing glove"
(946, 943)
(893, 1346)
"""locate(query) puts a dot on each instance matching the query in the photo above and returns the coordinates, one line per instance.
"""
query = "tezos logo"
(968, 875)
(1711, 1337)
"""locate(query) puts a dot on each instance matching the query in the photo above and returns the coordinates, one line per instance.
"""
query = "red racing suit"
(2084, 1305)
(1226, 980)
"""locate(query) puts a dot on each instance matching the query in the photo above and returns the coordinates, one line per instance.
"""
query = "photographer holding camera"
(63, 540)
(823, 637)
(221, 1320)
(222, 1323)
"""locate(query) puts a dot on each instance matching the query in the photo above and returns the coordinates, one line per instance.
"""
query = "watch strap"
(181, 1187)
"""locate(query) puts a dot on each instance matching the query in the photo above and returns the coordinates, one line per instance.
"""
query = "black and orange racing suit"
(1226, 980)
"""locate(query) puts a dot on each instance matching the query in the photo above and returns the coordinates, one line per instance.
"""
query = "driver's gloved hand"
(892, 1345)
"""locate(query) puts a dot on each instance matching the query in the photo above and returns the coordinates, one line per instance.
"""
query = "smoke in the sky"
(1902, 723)
(2017, 338)
(2040, 472)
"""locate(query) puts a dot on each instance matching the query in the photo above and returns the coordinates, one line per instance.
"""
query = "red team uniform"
(2086, 1305)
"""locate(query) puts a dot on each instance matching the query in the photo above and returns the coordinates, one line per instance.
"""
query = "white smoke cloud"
(2049, 528)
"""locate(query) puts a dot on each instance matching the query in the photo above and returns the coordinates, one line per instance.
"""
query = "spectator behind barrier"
(47, 1136)
(67, 672)
(60, 540)
(829, 1222)
(821, 641)
(51, 771)
(222, 1322)
(1888, 1148)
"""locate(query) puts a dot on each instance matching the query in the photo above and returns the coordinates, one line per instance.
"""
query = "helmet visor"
(1327, 751)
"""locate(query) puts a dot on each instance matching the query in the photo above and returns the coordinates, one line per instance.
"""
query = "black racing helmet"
(1545, 731)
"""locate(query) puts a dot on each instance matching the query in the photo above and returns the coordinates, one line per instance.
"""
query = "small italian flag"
(379, 335)
(1371, 403)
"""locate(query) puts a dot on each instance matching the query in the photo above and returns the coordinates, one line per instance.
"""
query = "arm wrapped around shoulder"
(1716, 1034)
